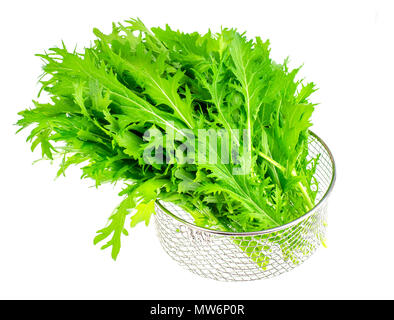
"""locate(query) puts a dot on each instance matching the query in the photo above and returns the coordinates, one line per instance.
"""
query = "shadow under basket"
(229, 256)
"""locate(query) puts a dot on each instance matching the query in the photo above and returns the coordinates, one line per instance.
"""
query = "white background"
(47, 226)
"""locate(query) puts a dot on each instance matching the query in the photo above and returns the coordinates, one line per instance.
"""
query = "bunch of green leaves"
(137, 80)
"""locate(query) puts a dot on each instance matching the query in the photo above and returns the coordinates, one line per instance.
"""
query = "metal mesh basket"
(229, 256)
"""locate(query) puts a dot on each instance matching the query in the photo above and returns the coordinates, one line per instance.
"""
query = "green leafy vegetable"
(127, 108)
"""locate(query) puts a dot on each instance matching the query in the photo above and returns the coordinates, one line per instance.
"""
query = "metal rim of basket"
(272, 230)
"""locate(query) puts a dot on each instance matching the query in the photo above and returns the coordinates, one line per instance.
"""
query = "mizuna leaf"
(116, 227)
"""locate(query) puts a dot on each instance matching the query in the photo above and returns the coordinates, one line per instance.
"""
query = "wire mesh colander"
(230, 256)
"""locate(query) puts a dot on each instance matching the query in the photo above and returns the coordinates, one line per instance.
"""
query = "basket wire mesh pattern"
(228, 256)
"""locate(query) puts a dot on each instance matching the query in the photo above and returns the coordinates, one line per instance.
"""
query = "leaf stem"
(303, 191)
(300, 186)
(272, 161)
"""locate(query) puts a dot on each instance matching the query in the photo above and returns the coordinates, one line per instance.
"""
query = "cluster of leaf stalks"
(136, 80)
